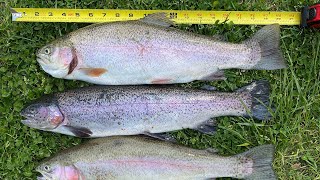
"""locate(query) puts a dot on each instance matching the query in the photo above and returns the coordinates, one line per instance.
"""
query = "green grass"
(295, 128)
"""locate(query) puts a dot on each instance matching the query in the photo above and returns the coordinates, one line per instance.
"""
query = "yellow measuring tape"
(178, 16)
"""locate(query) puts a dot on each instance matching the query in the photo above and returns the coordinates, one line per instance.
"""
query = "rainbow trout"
(149, 51)
(100, 111)
(135, 157)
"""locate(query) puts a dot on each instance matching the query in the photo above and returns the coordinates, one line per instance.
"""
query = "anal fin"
(218, 37)
(208, 88)
(207, 127)
(162, 136)
(212, 150)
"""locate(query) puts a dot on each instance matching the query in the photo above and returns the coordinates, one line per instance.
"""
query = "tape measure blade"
(179, 16)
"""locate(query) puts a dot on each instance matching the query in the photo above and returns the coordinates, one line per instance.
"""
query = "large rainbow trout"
(100, 111)
(142, 158)
(148, 51)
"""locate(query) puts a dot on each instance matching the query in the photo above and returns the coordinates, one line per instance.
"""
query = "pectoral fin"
(94, 72)
(79, 131)
(159, 19)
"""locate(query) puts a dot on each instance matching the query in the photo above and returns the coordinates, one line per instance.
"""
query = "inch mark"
(213, 16)
(173, 15)
(265, 16)
(239, 16)
(291, 17)
(252, 16)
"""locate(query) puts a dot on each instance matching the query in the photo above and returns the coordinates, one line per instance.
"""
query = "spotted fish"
(100, 111)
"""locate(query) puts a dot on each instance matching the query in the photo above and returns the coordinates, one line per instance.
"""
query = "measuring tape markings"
(179, 16)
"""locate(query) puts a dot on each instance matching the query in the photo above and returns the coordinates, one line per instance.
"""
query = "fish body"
(138, 157)
(146, 52)
(100, 111)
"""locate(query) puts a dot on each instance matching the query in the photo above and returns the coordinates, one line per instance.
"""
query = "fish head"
(48, 171)
(44, 116)
(57, 58)
(55, 171)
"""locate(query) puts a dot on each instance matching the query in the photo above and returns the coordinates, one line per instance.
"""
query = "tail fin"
(269, 53)
(259, 91)
(262, 157)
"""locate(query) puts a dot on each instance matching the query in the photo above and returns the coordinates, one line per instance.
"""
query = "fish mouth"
(39, 59)
(30, 123)
(44, 176)
(25, 114)
(34, 124)
(42, 60)
(28, 119)
(41, 178)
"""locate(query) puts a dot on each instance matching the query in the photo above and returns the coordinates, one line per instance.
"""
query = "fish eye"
(46, 168)
(47, 51)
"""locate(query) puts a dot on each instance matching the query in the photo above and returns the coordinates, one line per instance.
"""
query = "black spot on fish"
(101, 96)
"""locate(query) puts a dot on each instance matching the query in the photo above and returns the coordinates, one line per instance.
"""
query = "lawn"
(294, 130)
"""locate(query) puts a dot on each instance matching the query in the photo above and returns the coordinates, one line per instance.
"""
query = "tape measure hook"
(15, 14)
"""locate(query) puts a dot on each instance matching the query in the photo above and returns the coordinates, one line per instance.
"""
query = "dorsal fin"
(218, 37)
(159, 19)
